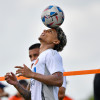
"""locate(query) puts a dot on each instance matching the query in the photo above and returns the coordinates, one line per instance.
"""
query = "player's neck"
(44, 47)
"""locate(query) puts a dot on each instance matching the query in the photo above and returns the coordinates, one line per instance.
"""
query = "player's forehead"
(34, 50)
(52, 29)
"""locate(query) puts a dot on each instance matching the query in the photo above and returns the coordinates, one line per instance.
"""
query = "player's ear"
(56, 42)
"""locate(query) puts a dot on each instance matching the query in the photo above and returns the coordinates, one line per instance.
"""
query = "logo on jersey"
(35, 64)
(36, 61)
(32, 82)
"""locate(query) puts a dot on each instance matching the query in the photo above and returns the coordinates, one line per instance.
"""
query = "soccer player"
(47, 71)
(33, 54)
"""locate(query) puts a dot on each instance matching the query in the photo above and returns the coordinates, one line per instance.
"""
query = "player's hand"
(11, 78)
(24, 71)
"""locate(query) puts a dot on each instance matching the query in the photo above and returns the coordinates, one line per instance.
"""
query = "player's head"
(2, 86)
(34, 51)
(54, 37)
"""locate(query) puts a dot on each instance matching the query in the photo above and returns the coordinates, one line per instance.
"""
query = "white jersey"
(64, 82)
(48, 60)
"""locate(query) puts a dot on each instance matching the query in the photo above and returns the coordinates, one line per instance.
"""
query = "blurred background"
(21, 25)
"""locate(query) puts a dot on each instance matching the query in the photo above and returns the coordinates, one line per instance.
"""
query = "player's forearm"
(25, 93)
(1, 95)
(56, 79)
(4, 94)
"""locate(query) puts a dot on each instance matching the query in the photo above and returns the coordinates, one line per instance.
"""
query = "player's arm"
(55, 79)
(11, 79)
(61, 93)
(25, 93)
(4, 94)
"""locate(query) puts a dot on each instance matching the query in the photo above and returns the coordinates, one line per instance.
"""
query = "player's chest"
(39, 65)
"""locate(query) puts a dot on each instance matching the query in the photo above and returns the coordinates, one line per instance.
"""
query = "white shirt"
(64, 82)
(53, 61)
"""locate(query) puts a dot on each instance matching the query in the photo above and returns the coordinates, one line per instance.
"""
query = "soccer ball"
(52, 16)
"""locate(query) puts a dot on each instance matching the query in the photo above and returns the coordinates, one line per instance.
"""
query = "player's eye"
(50, 31)
(30, 56)
(35, 55)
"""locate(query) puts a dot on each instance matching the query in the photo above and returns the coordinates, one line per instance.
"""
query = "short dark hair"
(63, 40)
(23, 82)
(2, 85)
(34, 46)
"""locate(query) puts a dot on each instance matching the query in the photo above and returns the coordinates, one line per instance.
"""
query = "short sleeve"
(54, 62)
(64, 82)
